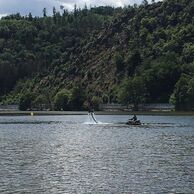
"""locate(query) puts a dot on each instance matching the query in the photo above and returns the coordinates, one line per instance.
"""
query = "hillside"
(131, 55)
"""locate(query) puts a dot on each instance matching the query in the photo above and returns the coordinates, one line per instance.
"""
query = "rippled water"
(67, 154)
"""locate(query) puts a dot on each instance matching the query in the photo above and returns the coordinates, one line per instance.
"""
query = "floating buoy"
(32, 114)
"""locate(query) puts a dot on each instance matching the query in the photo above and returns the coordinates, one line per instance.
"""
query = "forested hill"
(136, 54)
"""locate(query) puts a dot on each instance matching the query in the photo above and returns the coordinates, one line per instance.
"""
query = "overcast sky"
(36, 6)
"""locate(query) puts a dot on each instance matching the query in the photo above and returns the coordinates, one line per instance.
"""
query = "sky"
(24, 7)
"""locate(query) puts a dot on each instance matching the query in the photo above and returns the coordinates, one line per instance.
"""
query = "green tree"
(30, 18)
(118, 60)
(26, 101)
(183, 94)
(40, 102)
(133, 61)
(77, 97)
(145, 2)
(96, 102)
(44, 12)
(188, 51)
(160, 77)
(134, 91)
(61, 100)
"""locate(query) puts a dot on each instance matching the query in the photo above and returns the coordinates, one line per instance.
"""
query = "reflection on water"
(64, 154)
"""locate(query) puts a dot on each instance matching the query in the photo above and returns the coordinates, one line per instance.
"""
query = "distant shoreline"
(52, 113)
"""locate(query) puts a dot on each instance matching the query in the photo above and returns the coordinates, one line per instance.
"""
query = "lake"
(71, 154)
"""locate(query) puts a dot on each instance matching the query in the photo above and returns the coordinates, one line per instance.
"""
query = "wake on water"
(91, 119)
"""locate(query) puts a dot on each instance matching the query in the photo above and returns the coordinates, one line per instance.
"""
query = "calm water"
(67, 154)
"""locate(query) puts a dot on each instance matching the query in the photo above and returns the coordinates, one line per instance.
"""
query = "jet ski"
(131, 122)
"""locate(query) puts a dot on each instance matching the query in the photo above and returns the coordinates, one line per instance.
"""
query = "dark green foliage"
(26, 101)
(183, 95)
(40, 102)
(96, 102)
(44, 12)
(133, 90)
(133, 61)
(61, 100)
(118, 60)
(145, 2)
(101, 47)
(29, 45)
(77, 97)
(160, 77)
(188, 50)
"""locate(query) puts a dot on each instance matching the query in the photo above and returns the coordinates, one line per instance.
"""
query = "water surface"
(71, 154)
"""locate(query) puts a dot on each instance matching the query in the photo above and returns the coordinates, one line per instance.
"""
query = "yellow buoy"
(32, 114)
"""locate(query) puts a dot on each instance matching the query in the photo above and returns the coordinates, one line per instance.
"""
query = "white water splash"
(91, 120)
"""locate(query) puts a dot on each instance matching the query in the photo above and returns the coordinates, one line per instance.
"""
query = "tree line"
(127, 55)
